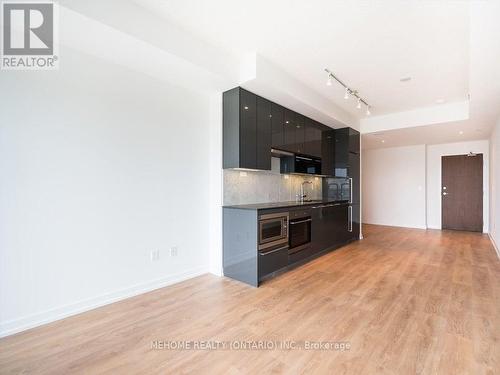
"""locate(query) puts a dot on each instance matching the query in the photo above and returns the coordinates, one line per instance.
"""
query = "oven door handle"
(300, 222)
(272, 251)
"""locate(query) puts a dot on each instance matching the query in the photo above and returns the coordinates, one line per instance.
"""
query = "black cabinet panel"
(355, 221)
(272, 261)
(264, 117)
(342, 224)
(341, 152)
(330, 226)
(312, 138)
(299, 133)
(248, 129)
(231, 128)
(277, 126)
(308, 137)
(289, 131)
(354, 141)
(328, 152)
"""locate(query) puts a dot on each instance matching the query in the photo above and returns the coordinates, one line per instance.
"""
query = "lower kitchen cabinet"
(330, 226)
(256, 244)
(272, 261)
(356, 220)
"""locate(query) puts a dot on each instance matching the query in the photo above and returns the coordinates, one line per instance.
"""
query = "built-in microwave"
(303, 164)
(273, 230)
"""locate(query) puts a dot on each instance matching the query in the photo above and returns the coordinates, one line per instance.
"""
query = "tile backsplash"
(245, 187)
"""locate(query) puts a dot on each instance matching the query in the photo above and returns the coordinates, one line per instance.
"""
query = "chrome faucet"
(302, 195)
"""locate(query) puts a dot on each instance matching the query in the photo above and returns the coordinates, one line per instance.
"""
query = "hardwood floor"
(407, 301)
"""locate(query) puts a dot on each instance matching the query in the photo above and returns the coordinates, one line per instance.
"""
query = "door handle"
(445, 193)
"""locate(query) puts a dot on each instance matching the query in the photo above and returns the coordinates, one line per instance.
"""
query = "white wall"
(434, 154)
(393, 186)
(495, 187)
(99, 165)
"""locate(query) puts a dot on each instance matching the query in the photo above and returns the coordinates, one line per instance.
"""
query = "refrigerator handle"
(350, 187)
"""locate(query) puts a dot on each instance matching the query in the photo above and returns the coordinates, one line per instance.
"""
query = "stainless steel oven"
(300, 231)
(273, 230)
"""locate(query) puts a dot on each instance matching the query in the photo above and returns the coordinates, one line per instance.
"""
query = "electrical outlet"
(173, 251)
(155, 255)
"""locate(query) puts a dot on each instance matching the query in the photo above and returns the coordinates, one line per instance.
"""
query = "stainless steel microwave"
(273, 230)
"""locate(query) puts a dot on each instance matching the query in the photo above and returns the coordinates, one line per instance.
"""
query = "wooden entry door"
(462, 192)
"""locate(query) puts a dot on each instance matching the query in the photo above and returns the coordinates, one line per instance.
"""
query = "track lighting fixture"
(348, 91)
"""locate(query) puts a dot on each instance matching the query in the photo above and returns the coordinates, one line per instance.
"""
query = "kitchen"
(291, 187)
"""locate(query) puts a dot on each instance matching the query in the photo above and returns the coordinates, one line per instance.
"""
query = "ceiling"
(429, 135)
(450, 49)
(370, 45)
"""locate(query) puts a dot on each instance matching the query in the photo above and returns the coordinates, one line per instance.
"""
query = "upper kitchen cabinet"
(264, 133)
(294, 129)
(328, 151)
(289, 143)
(246, 130)
(312, 138)
(299, 133)
(347, 143)
(354, 141)
(341, 152)
(277, 126)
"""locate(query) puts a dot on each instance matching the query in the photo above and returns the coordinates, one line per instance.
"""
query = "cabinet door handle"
(300, 222)
(273, 251)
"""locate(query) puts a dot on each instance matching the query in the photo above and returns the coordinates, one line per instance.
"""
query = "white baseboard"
(433, 227)
(21, 324)
(495, 246)
(398, 225)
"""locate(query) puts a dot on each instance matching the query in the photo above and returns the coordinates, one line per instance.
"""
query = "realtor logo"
(29, 35)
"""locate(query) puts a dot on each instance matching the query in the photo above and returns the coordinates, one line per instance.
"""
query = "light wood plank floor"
(407, 301)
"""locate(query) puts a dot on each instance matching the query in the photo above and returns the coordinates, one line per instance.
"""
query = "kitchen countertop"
(263, 206)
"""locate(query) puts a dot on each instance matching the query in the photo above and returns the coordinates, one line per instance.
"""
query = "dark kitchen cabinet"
(330, 226)
(277, 127)
(289, 143)
(341, 152)
(355, 217)
(328, 152)
(299, 133)
(272, 261)
(294, 132)
(354, 141)
(246, 130)
(312, 138)
(347, 144)
(264, 127)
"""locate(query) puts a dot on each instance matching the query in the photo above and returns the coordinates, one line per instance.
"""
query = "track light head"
(358, 106)
(329, 81)
(346, 95)
(368, 113)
